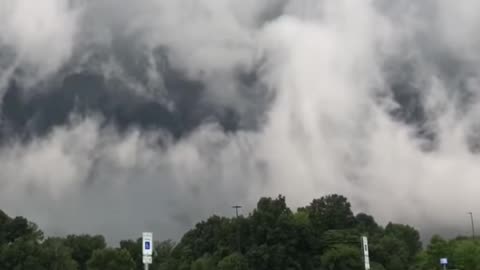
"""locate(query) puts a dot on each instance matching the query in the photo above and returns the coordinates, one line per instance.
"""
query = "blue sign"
(147, 245)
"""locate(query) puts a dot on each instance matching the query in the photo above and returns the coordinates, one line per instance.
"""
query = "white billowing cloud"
(327, 130)
(54, 165)
(40, 32)
(87, 178)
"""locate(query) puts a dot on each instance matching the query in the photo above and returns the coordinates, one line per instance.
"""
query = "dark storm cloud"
(124, 116)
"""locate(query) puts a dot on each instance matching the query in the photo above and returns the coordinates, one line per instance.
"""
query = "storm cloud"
(121, 116)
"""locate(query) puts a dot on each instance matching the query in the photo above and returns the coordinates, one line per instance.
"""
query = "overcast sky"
(375, 100)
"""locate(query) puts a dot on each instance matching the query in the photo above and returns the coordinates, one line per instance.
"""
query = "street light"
(473, 226)
(236, 209)
(238, 226)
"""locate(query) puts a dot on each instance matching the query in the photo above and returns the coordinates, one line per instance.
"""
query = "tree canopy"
(324, 235)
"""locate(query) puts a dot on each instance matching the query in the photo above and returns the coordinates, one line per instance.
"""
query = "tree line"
(324, 235)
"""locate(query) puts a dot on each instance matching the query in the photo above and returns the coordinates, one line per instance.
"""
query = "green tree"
(409, 236)
(20, 227)
(323, 235)
(57, 256)
(438, 248)
(390, 252)
(22, 254)
(276, 236)
(234, 261)
(466, 255)
(111, 259)
(20, 244)
(342, 257)
(83, 246)
(163, 255)
(4, 220)
(376, 266)
(331, 212)
(134, 248)
(265, 218)
(462, 253)
(25, 253)
(207, 238)
(203, 263)
(422, 261)
(366, 224)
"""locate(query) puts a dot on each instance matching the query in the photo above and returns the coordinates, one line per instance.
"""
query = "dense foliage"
(323, 235)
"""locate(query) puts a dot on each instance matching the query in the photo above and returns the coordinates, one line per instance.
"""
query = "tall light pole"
(238, 227)
(236, 209)
(473, 226)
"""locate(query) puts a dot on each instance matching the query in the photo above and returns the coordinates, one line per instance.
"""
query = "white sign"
(147, 244)
(366, 258)
(443, 261)
(147, 259)
(365, 245)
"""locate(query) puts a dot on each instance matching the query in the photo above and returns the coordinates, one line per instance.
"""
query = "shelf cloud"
(121, 116)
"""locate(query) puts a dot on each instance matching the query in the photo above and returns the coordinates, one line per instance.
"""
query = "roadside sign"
(366, 258)
(147, 259)
(147, 240)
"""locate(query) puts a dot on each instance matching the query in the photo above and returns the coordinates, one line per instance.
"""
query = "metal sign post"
(444, 262)
(147, 249)
(366, 258)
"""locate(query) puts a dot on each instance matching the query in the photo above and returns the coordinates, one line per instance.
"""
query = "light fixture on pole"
(473, 225)
(236, 209)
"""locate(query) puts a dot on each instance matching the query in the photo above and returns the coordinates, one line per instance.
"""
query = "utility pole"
(238, 227)
(236, 209)
(473, 226)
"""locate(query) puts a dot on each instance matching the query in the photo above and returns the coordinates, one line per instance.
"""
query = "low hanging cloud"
(374, 100)
(41, 34)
